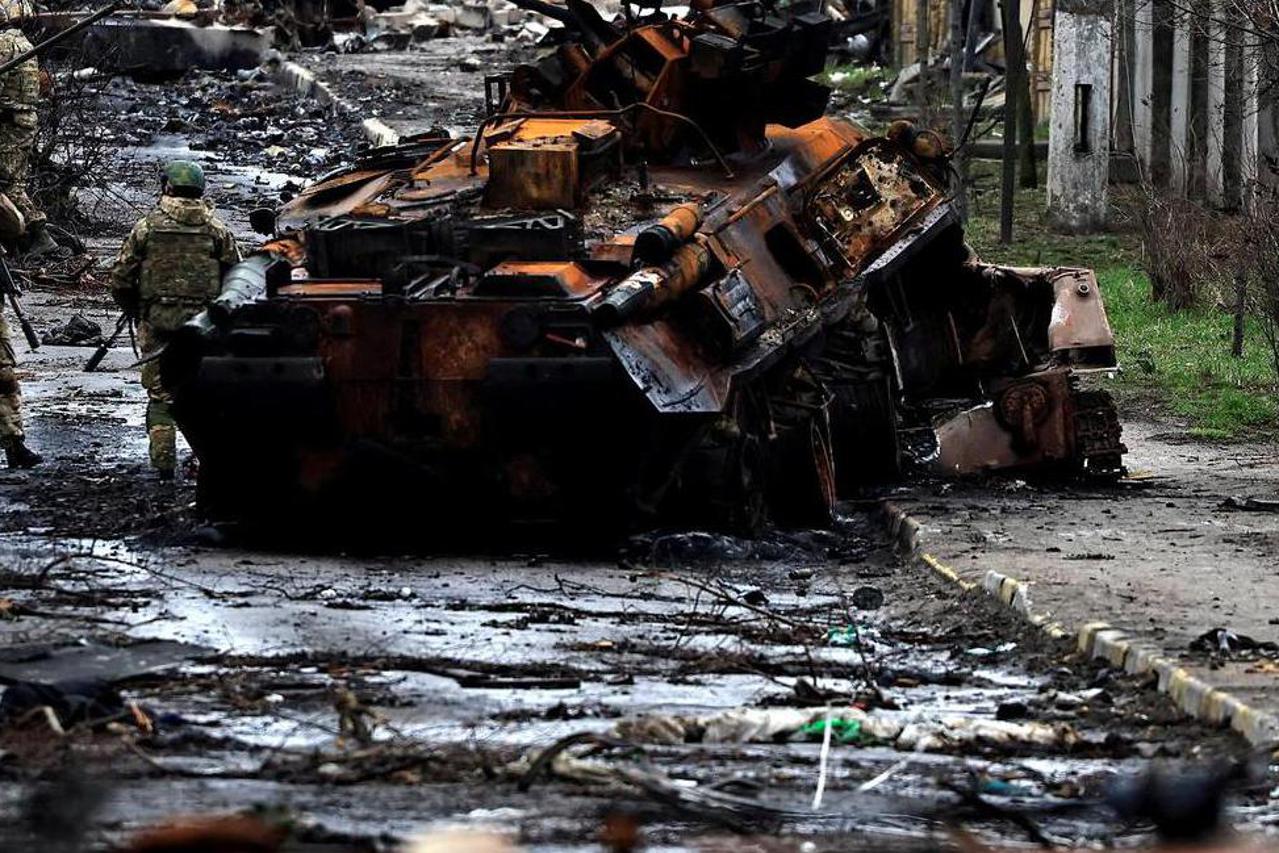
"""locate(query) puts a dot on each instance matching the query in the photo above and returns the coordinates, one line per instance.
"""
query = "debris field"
(661, 614)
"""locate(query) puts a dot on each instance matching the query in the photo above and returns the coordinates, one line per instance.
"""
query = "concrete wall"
(1079, 136)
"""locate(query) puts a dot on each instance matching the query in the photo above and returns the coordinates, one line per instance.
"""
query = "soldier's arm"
(124, 274)
(228, 250)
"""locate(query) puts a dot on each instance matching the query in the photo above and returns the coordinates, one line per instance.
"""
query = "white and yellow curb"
(1099, 640)
(302, 80)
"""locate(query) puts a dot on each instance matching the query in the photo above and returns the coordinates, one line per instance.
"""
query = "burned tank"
(656, 285)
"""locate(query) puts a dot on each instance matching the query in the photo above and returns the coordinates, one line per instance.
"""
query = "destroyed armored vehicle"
(656, 285)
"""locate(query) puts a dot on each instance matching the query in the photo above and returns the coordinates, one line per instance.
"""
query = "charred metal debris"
(656, 283)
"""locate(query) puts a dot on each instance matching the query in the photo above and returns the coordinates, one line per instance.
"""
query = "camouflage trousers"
(17, 138)
(162, 431)
(10, 393)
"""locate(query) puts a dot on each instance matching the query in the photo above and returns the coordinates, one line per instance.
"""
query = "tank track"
(1099, 450)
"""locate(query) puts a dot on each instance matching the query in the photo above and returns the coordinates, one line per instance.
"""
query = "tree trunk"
(1241, 314)
(922, 43)
(1023, 104)
(957, 106)
(923, 49)
(1015, 71)
(1027, 161)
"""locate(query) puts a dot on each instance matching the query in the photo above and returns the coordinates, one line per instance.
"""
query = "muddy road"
(709, 666)
(713, 685)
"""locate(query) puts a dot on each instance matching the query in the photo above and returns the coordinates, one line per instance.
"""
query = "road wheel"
(864, 432)
(802, 473)
(724, 477)
(804, 476)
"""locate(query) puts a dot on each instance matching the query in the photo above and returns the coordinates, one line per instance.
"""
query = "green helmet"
(183, 174)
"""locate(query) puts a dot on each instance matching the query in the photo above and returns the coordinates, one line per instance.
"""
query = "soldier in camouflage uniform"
(169, 269)
(12, 438)
(19, 91)
(19, 97)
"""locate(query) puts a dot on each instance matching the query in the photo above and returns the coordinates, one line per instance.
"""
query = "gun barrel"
(244, 283)
(58, 38)
(28, 331)
(96, 359)
(103, 348)
(652, 287)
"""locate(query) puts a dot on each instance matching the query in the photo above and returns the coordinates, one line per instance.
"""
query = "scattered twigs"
(736, 601)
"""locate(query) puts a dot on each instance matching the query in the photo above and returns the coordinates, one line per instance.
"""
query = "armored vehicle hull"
(636, 297)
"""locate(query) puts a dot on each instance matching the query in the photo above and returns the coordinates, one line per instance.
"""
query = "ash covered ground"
(364, 699)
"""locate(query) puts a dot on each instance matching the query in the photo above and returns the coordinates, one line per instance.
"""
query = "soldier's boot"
(18, 455)
(40, 242)
(164, 449)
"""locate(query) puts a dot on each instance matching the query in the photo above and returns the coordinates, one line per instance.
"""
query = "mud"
(469, 664)
(439, 83)
(466, 663)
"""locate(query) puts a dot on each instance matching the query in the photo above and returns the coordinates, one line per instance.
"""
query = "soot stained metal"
(657, 285)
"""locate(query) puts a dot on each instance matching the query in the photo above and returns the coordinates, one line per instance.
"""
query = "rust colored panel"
(533, 175)
(361, 370)
(333, 289)
(450, 174)
(1079, 317)
(1030, 422)
(811, 147)
(620, 249)
(774, 273)
(661, 41)
(569, 277)
(669, 368)
(869, 200)
(464, 339)
(533, 129)
(366, 346)
(384, 366)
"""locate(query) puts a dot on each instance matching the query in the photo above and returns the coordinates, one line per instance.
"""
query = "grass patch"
(1182, 361)
(1177, 364)
(855, 79)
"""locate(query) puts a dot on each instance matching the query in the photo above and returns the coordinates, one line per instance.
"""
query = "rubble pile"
(243, 124)
(244, 119)
(419, 20)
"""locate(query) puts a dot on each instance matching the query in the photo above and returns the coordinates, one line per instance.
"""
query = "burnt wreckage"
(658, 283)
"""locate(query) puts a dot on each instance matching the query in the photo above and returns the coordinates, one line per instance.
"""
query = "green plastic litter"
(842, 731)
(846, 636)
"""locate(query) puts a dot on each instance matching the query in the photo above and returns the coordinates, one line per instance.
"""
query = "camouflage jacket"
(20, 88)
(172, 262)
